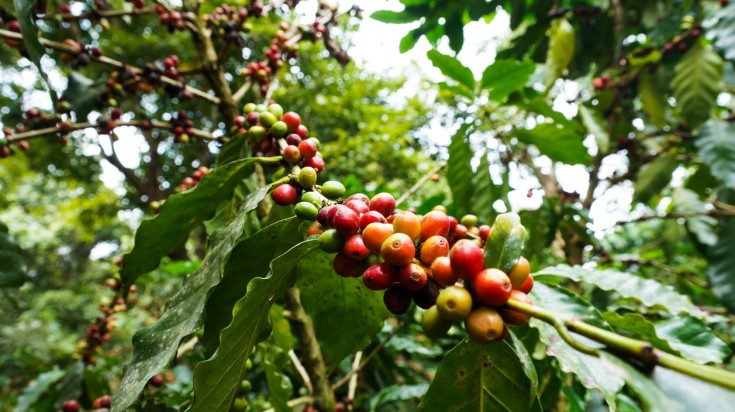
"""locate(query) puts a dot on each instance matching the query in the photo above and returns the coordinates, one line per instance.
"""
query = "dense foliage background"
(608, 126)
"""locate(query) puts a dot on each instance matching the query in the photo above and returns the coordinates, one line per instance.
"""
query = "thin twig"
(240, 93)
(303, 400)
(710, 213)
(425, 178)
(302, 371)
(33, 134)
(352, 387)
(93, 14)
(186, 347)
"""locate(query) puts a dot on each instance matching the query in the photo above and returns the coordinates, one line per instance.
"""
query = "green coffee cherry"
(306, 211)
(279, 129)
(256, 133)
(434, 325)
(276, 109)
(315, 140)
(333, 189)
(469, 220)
(250, 107)
(331, 241)
(307, 177)
(313, 198)
(246, 385)
(260, 108)
(267, 119)
(248, 364)
(240, 404)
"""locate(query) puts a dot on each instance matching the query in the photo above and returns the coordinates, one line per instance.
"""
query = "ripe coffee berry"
(291, 154)
(284, 195)
(346, 267)
(374, 234)
(484, 232)
(441, 269)
(357, 206)
(359, 196)
(460, 230)
(425, 297)
(292, 120)
(308, 149)
(492, 287)
(484, 325)
(70, 406)
(355, 248)
(408, 223)
(397, 299)
(513, 317)
(398, 249)
(369, 217)
(434, 325)
(346, 221)
(383, 203)
(379, 276)
(454, 303)
(434, 247)
(434, 223)
(467, 259)
(412, 277)
(156, 381)
(520, 272)
(293, 139)
(527, 285)
(316, 162)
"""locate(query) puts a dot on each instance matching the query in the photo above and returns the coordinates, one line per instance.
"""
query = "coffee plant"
(300, 252)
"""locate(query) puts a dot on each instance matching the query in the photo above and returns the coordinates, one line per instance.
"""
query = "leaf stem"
(639, 349)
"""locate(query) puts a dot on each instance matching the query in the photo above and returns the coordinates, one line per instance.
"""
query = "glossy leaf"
(279, 386)
(702, 227)
(155, 346)
(408, 41)
(652, 99)
(393, 17)
(13, 271)
(693, 394)
(648, 291)
(561, 48)
(249, 259)
(35, 396)
(347, 316)
(721, 269)
(654, 177)
(559, 143)
(504, 77)
(595, 125)
(716, 145)
(396, 393)
(651, 396)
(459, 170)
(452, 68)
(505, 243)
(217, 380)
(592, 372)
(696, 83)
(25, 13)
(479, 377)
(179, 215)
(686, 336)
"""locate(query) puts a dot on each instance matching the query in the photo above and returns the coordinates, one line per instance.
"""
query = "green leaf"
(155, 346)
(180, 214)
(12, 265)
(539, 105)
(347, 316)
(25, 13)
(505, 243)
(409, 41)
(692, 393)
(721, 269)
(647, 291)
(561, 48)
(33, 395)
(280, 389)
(459, 170)
(394, 17)
(559, 143)
(703, 227)
(592, 372)
(652, 99)
(653, 178)
(217, 380)
(696, 83)
(452, 68)
(84, 94)
(454, 30)
(249, 259)
(504, 77)
(396, 393)
(722, 29)
(484, 193)
(595, 125)
(479, 377)
(650, 395)
(716, 145)
(686, 336)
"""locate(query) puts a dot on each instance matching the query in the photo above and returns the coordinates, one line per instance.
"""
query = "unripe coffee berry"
(484, 325)
(469, 220)
(398, 249)
(267, 119)
(313, 198)
(307, 177)
(375, 234)
(275, 109)
(408, 223)
(248, 108)
(279, 129)
(379, 276)
(330, 241)
(256, 133)
(492, 287)
(434, 223)
(346, 267)
(397, 299)
(355, 248)
(412, 277)
(434, 325)
(454, 303)
(333, 189)
(434, 247)
(306, 211)
(284, 195)
(384, 203)
(513, 317)
(520, 272)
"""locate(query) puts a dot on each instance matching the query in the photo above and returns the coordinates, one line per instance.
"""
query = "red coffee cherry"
(316, 162)
(467, 259)
(460, 230)
(398, 249)
(375, 234)
(291, 154)
(293, 139)
(302, 131)
(379, 276)
(434, 247)
(369, 217)
(425, 297)
(346, 221)
(355, 248)
(397, 299)
(332, 212)
(527, 285)
(383, 203)
(452, 223)
(513, 317)
(361, 197)
(484, 325)
(357, 206)
(520, 272)
(292, 120)
(156, 381)
(441, 269)
(412, 277)
(284, 195)
(408, 223)
(484, 232)
(492, 287)
(308, 149)
(70, 406)
(347, 267)
(434, 223)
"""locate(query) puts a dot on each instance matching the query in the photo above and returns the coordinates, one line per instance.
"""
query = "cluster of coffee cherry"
(6, 149)
(182, 127)
(14, 26)
(193, 180)
(173, 19)
(228, 22)
(262, 71)
(80, 55)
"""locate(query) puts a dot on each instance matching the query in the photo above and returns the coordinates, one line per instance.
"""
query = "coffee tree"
(303, 292)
